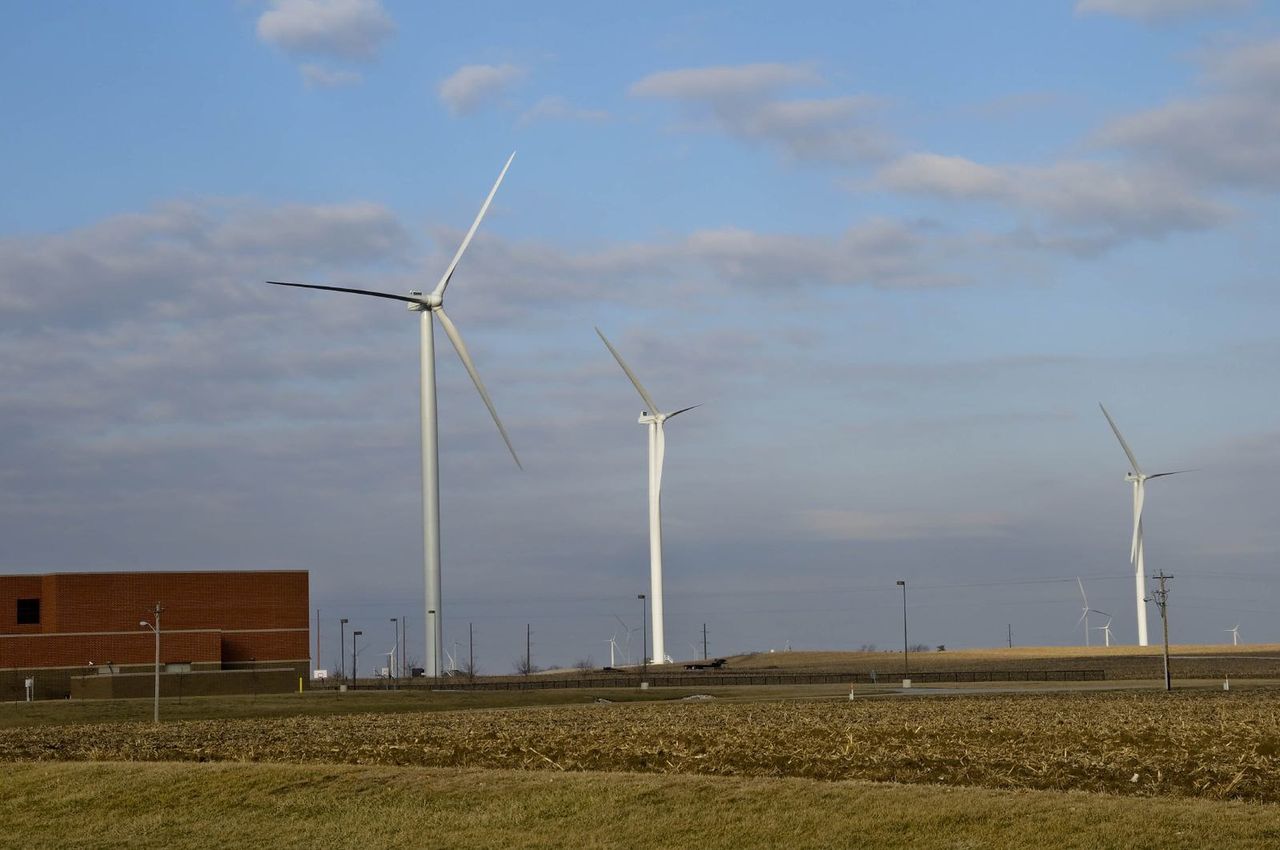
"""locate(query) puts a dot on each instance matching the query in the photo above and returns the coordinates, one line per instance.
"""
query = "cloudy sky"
(899, 251)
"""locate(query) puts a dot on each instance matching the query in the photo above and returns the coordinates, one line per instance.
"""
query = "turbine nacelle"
(419, 302)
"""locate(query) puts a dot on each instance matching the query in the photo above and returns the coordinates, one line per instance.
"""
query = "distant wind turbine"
(1139, 479)
(432, 304)
(1084, 616)
(1105, 629)
(654, 418)
(1235, 634)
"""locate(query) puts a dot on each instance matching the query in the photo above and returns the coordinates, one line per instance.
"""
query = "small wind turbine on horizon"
(429, 306)
(1139, 480)
(613, 649)
(1105, 629)
(653, 417)
(1235, 634)
(1084, 616)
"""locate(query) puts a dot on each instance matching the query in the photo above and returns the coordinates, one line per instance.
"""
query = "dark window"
(28, 612)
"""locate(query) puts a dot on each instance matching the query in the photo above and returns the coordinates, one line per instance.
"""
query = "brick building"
(61, 628)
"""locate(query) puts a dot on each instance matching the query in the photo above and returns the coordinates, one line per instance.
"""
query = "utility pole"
(354, 678)
(342, 647)
(644, 621)
(155, 627)
(1162, 599)
(471, 651)
(1011, 635)
(906, 666)
(704, 641)
(528, 648)
(317, 664)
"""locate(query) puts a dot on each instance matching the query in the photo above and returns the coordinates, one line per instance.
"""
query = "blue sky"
(900, 250)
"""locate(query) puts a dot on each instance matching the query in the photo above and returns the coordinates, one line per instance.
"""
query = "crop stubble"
(1202, 744)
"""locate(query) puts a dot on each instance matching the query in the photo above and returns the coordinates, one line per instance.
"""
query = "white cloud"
(473, 86)
(320, 77)
(1109, 201)
(346, 29)
(557, 108)
(1226, 136)
(1156, 10)
(724, 81)
(743, 102)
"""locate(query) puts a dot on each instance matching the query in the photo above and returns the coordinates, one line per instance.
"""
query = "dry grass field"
(113, 806)
(764, 766)
(1193, 744)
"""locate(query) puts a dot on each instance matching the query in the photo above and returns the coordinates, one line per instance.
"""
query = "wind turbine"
(427, 306)
(1235, 634)
(1084, 617)
(613, 649)
(654, 418)
(628, 630)
(1105, 629)
(1139, 480)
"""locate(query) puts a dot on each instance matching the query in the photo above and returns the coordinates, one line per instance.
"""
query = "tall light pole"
(342, 646)
(906, 665)
(155, 713)
(395, 624)
(354, 678)
(644, 643)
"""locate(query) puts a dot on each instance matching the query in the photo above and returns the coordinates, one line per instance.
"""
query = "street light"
(644, 643)
(395, 623)
(342, 646)
(354, 678)
(906, 665)
(155, 713)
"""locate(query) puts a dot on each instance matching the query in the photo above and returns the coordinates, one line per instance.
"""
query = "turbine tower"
(428, 306)
(653, 418)
(1138, 479)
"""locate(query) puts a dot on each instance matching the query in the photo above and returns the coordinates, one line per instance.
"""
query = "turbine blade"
(644, 394)
(451, 331)
(1082, 596)
(1082, 616)
(1163, 474)
(1103, 613)
(407, 298)
(692, 406)
(448, 274)
(1133, 460)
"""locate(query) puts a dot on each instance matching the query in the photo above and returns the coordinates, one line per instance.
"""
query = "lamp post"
(906, 665)
(395, 624)
(354, 678)
(644, 642)
(155, 713)
(342, 646)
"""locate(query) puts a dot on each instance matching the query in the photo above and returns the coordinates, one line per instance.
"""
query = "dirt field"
(1202, 744)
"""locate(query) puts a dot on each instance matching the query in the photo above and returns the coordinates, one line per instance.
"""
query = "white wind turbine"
(613, 649)
(1084, 616)
(1139, 479)
(1105, 629)
(654, 418)
(427, 306)
(1235, 634)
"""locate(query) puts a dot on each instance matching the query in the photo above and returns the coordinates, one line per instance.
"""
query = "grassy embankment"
(201, 806)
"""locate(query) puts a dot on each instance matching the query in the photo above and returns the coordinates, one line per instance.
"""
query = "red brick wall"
(262, 616)
(13, 588)
(263, 646)
(136, 647)
(100, 602)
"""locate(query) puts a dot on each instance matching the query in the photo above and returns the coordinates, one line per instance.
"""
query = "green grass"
(111, 805)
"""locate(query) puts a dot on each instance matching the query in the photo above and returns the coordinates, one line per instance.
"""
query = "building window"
(28, 612)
